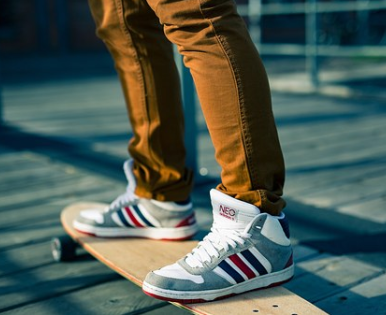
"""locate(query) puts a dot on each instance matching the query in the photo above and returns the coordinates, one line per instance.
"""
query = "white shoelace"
(126, 199)
(211, 245)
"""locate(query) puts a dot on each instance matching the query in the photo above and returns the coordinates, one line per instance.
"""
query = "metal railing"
(311, 49)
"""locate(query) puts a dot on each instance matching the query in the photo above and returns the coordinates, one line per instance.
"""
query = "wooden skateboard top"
(133, 258)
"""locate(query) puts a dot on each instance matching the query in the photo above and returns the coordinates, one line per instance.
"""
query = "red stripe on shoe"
(243, 267)
(190, 220)
(290, 262)
(133, 218)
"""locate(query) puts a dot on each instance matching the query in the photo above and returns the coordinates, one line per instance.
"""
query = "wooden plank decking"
(65, 141)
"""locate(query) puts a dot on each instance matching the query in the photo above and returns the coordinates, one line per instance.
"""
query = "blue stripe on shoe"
(123, 219)
(285, 226)
(230, 271)
(140, 214)
(254, 262)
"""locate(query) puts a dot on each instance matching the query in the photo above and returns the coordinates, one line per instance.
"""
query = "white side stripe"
(116, 219)
(147, 215)
(134, 213)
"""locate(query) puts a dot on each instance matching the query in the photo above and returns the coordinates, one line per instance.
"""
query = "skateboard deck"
(133, 258)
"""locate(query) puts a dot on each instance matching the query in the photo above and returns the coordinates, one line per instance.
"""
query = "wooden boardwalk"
(65, 140)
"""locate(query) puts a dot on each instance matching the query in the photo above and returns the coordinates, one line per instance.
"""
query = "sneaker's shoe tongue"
(231, 213)
(128, 168)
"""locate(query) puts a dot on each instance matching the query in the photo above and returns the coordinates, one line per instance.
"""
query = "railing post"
(62, 25)
(43, 25)
(363, 22)
(189, 103)
(312, 41)
(254, 15)
(1, 108)
(1, 100)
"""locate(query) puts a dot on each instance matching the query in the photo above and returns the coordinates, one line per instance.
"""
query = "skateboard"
(146, 255)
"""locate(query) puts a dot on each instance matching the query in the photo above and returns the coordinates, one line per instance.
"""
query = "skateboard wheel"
(63, 248)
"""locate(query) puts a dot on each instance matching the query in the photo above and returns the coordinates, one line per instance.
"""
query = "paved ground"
(65, 139)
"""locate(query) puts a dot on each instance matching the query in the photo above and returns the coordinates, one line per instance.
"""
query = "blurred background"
(314, 28)
(325, 28)
(59, 26)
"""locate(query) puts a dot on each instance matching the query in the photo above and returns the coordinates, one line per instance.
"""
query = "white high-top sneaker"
(132, 216)
(245, 250)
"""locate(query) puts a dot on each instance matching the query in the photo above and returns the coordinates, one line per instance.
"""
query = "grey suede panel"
(211, 282)
(166, 218)
(258, 221)
(277, 255)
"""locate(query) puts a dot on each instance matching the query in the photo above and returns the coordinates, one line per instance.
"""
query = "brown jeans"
(231, 84)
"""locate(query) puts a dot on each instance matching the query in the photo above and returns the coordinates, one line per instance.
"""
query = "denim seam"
(243, 116)
(240, 96)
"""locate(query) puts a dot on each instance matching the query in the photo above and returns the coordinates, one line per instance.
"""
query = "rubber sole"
(186, 297)
(172, 234)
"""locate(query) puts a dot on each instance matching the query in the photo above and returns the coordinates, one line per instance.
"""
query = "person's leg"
(248, 246)
(234, 93)
(156, 203)
(144, 60)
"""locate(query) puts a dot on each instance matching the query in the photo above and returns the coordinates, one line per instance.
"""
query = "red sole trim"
(86, 233)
